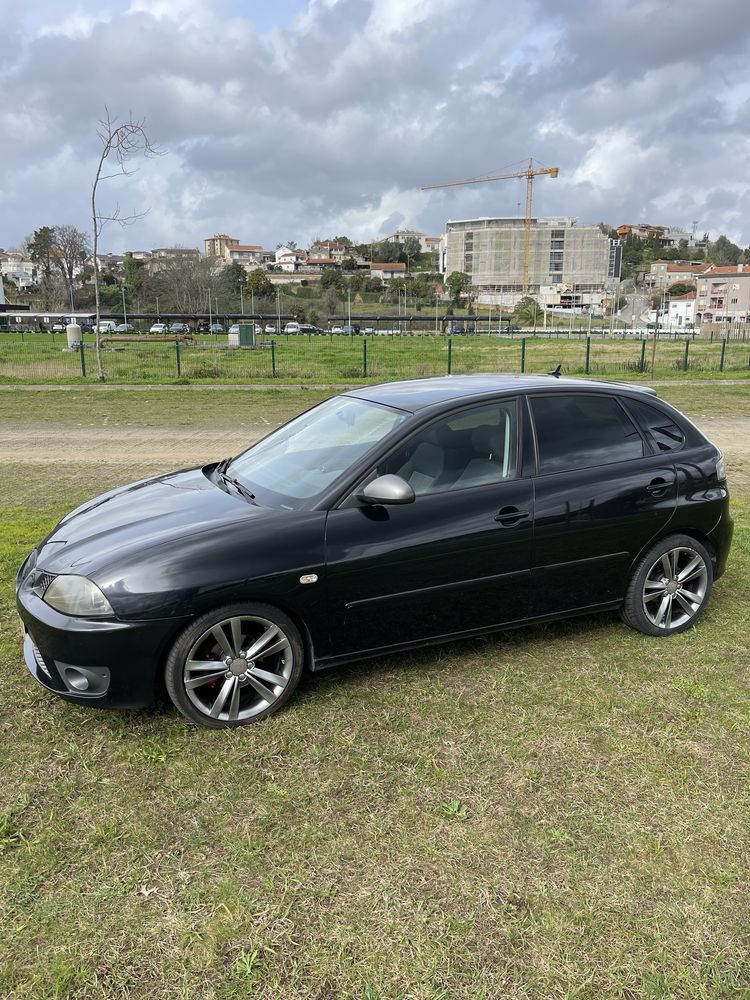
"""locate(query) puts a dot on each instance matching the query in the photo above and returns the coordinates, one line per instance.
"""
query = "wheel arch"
(160, 688)
(668, 532)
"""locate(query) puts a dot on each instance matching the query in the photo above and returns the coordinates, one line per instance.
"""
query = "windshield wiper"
(242, 490)
(223, 465)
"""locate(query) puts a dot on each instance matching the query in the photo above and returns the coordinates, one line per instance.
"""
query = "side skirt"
(324, 663)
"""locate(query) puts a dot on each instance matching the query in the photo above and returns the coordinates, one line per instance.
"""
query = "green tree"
(723, 252)
(132, 274)
(458, 283)
(526, 311)
(387, 253)
(40, 247)
(343, 240)
(680, 288)
(411, 248)
(332, 278)
(258, 283)
(348, 264)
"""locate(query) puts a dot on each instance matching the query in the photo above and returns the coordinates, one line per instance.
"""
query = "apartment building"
(216, 246)
(664, 273)
(426, 243)
(723, 295)
(570, 266)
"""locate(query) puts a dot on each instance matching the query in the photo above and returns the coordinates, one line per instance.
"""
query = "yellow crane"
(529, 173)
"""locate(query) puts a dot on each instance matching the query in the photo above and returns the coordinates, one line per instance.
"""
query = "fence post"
(588, 354)
(83, 357)
(723, 352)
(177, 355)
(523, 355)
(643, 354)
(364, 356)
(450, 354)
(687, 348)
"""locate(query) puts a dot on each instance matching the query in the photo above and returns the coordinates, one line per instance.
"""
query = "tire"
(670, 587)
(240, 689)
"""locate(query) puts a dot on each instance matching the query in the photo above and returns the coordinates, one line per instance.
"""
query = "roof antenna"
(556, 372)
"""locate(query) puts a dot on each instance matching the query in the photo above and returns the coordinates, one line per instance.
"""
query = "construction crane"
(529, 173)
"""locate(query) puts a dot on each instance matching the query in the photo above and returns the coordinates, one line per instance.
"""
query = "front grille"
(42, 582)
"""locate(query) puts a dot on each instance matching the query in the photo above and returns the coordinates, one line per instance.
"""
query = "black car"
(386, 518)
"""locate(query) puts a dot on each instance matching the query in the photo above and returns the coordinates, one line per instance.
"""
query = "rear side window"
(662, 430)
(582, 431)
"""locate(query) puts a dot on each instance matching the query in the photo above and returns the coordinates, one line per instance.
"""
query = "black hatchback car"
(389, 517)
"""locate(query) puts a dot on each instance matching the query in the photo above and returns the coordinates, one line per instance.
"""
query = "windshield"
(296, 463)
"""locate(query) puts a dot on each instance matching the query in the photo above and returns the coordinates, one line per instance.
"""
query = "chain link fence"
(41, 358)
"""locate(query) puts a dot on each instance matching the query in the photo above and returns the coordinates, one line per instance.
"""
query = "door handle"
(658, 487)
(508, 516)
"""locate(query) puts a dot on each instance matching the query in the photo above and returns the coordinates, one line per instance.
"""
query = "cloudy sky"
(291, 119)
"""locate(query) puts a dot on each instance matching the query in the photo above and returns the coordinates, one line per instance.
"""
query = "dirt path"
(43, 442)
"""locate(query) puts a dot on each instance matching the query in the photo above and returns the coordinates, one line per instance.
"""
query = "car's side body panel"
(442, 564)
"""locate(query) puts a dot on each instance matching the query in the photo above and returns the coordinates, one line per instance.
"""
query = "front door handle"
(508, 516)
(658, 487)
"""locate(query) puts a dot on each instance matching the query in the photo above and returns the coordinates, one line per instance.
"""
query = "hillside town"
(558, 263)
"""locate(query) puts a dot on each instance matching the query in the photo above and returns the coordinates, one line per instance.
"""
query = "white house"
(682, 311)
(288, 259)
(18, 268)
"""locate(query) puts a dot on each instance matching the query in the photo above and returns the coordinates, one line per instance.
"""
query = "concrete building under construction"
(570, 266)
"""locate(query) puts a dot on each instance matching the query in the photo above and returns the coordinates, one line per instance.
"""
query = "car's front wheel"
(235, 665)
(670, 587)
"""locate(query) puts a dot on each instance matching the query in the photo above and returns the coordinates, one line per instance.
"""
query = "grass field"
(324, 359)
(562, 811)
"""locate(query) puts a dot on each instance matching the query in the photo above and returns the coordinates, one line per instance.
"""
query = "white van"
(291, 328)
(106, 326)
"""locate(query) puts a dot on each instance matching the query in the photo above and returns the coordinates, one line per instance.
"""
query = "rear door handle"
(658, 487)
(508, 516)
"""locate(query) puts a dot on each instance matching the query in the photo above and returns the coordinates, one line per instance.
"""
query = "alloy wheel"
(238, 668)
(675, 588)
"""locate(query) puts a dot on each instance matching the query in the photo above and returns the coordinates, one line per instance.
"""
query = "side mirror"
(386, 490)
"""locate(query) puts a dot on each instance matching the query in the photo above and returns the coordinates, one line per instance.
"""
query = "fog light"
(76, 679)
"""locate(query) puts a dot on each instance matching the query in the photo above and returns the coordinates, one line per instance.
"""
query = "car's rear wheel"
(670, 587)
(235, 665)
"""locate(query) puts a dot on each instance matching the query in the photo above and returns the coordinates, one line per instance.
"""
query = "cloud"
(292, 121)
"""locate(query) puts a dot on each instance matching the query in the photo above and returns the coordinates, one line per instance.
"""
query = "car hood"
(152, 513)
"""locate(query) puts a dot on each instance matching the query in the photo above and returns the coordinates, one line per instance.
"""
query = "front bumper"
(110, 664)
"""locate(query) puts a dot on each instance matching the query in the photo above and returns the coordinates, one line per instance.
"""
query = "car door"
(600, 496)
(455, 559)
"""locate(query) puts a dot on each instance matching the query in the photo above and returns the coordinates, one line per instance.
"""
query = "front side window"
(302, 459)
(475, 447)
(663, 431)
(582, 431)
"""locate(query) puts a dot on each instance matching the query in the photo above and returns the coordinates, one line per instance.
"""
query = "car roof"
(416, 394)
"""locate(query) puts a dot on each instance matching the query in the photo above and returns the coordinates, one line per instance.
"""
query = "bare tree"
(122, 141)
(72, 246)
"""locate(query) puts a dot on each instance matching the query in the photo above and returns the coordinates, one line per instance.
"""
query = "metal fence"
(39, 358)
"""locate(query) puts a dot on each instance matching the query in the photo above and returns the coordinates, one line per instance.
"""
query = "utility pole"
(124, 310)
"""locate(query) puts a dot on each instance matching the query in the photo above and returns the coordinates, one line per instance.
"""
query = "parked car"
(457, 329)
(269, 328)
(292, 328)
(59, 327)
(179, 328)
(336, 329)
(216, 328)
(106, 326)
(124, 328)
(234, 328)
(385, 518)
(350, 329)
(158, 328)
(369, 329)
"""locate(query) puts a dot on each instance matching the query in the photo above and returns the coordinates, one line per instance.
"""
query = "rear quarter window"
(662, 431)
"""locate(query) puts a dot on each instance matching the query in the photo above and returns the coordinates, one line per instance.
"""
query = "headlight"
(76, 595)
(721, 468)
